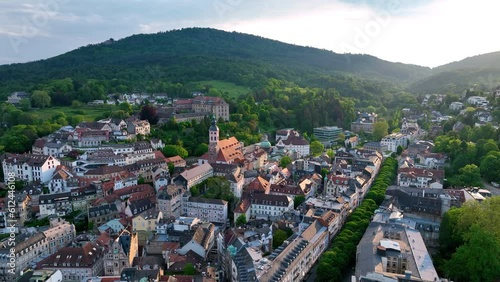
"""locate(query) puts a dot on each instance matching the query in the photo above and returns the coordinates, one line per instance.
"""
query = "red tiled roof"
(259, 184)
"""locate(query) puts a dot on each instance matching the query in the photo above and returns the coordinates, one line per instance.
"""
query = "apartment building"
(29, 167)
(208, 210)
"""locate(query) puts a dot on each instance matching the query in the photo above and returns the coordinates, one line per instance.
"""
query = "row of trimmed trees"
(342, 254)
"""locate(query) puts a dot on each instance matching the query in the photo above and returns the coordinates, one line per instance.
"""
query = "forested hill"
(195, 54)
(483, 70)
(484, 61)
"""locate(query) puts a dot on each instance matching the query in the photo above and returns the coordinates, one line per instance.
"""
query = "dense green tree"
(469, 175)
(25, 104)
(490, 166)
(331, 154)
(478, 259)
(399, 150)
(201, 149)
(171, 168)
(40, 99)
(279, 236)
(316, 148)
(380, 129)
(174, 150)
(298, 200)
(189, 269)
(241, 220)
(285, 161)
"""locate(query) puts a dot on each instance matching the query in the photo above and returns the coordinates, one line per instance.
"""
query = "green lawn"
(89, 113)
(232, 89)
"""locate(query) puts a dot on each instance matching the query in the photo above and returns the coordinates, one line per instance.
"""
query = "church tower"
(213, 141)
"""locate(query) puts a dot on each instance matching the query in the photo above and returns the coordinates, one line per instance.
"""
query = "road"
(494, 191)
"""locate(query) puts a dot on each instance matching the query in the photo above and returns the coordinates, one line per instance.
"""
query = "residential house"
(58, 204)
(196, 175)
(57, 149)
(215, 105)
(16, 97)
(139, 206)
(294, 143)
(162, 180)
(28, 248)
(29, 167)
(335, 185)
(170, 201)
(63, 180)
(395, 252)
(202, 241)
(267, 205)
(139, 127)
(76, 263)
(394, 140)
(59, 235)
(177, 161)
(103, 213)
(420, 178)
(364, 122)
(91, 138)
(147, 220)
(114, 225)
(208, 210)
(456, 106)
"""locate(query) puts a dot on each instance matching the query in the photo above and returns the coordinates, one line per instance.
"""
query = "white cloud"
(432, 34)
(426, 32)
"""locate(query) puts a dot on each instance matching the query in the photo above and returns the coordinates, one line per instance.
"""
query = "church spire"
(213, 141)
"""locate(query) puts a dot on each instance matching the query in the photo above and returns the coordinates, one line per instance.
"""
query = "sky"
(422, 32)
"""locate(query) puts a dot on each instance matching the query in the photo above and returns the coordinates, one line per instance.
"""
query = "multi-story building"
(394, 140)
(29, 167)
(28, 248)
(267, 205)
(139, 127)
(421, 178)
(121, 254)
(456, 106)
(202, 241)
(335, 185)
(62, 180)
(196, 175)
(58, 204)
(58, 149)
(327, 133)
(59, 235)
(170, 201)
(91, 138)
(103, 213)
(41, 276)
(394, 251)
(294, 143)
(147, 220)
(215, 105)
(296, 256)
(208, 210)
(364, 123)
(177, 161)
(76, 263)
